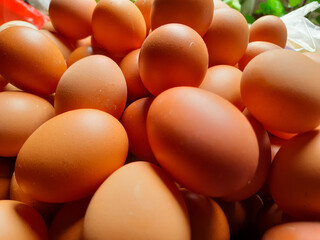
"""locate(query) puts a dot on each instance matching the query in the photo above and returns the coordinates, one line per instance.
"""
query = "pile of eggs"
(159, 119)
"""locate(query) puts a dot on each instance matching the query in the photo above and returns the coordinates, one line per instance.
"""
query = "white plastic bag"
(303, 35)
(41, 5)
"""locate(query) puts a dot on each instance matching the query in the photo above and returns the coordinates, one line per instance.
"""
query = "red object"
(19, 10)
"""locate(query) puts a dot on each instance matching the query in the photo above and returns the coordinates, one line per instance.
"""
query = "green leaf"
(294, 3)
(271, 7)
(133, 1)
(234, 4)
(250, 19)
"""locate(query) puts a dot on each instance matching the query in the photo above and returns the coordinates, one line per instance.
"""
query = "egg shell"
(207, 219)
(118, 25)
(68, 222)
(69, 156)
(294, 231)
(227, 37)
(134, 120)
(172, 55)
(130, 68)
(219, 4)
(29, 60)
(315, 56)
(72, 18)
(224, 80)
(264, 162)
(253, 50)
(84, 51)
(145, 8)
(196, 14)
(269, 28)
(20, 221)
(17, 23)
(281, 95)
(138, 201)
(282, 135)
(20, 115)
(47, 210)
(294, 178)
(92, 82)
(191, 132)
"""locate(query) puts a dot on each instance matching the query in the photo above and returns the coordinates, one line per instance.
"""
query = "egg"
(269, 28)
(264, 163)
(219, 4)
(294, 231)
(36, 68)
(119, 26)
(89, 145)
(20, 221)
(92, 82)
(227, 37)
(191, 132)
(134, 120)
(253, 50)
(84, 51)
(224, 80)
(195, 14)
(172, 55)
(130, 68)
(279, 94)
(138, 201)
(207, 219)
(68, 222)
(20, 115)
(315, 56)
(145, 8)
(72, 18)
(294, 178)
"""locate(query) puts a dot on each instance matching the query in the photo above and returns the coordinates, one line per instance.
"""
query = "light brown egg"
(20, 115)
(172, 55)
(295, 178)
(130, 68)
(315, 56)
(224, 80)
(269, 28)
(68, 222)
(227, 37)
(36, 68)
(84, 51)
(134, 120)
(92, 82)
(138, 201)
(253, 50)
(20, 221)
(119, 26)
(145, 8)
(191, 132)
(196, 14)
(207, 219)
(294, 231)
(72, 18)
(219, 4)
(69, 156)
(279, 88)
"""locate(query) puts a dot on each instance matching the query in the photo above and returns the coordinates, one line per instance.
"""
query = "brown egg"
(36, 68)
(20, 221)
(3, 83)
(224, 80)
(276, 144)
(281, 95)
(68, 222)
(11, 88)
(47, 210)
(282, 135)
(191, 132)
(207, 219)
(6, 171)
(72, 18)
(145, 8)
(219, 4)
(264, 163)
(130, 69)
(70, 155)
(195, 14)
(294, 231)
(92, 82)
(315, 56)
(138, 201)
(84, 51)
(20, 115)
(227, 37)
(253, 50)
(269, 28)
(48, 26)
(62, 43)
(119, 26)
(172, 55)
(134, 120)
(294, 178)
